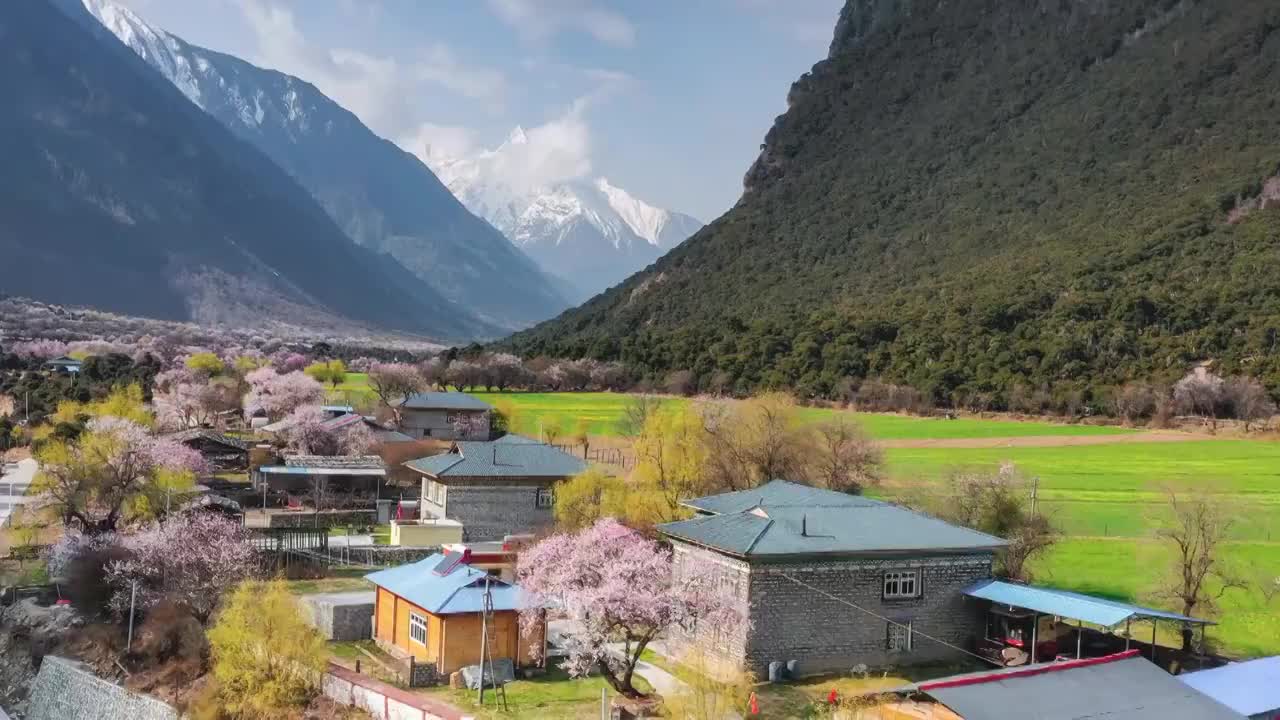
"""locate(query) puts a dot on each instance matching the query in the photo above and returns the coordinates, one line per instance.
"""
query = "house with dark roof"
(495, 488)
(325, 475)
(224, 453)
(828, 580)
(431, 611)
(445, 416)
(381, 434)
(1123, 686)
(66, 364)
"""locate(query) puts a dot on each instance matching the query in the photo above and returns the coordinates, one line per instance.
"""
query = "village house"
(431, 610)
(496, 488)
(445, 416)
(828, 581)
(65, 364)
(1251, 688)
(222, 452)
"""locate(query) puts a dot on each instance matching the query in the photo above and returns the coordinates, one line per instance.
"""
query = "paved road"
(14, 486)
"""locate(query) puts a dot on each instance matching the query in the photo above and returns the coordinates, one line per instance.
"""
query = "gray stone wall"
(424, 674)
(794, 622)
(340, 616)
(67, 690)
(490, 511)
(788, 621)
(730, 579)
(435, 424)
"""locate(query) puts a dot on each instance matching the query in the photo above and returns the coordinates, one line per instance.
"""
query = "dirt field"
(1156, 436)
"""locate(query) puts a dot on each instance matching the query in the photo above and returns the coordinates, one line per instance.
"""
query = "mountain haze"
(117, 193)
(382, 197)
(585, 230)
(972, 195)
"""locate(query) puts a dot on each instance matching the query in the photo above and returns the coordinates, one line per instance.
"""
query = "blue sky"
(669, 99)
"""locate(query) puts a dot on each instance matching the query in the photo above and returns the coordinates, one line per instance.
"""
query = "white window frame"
(899, 637)
(895, 584)
(546, 498)
(417, 623)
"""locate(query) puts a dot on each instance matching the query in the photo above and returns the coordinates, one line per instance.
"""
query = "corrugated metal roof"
(461, 591)
(1124, 687)
(1249, 688)
(510, 456)
(777, 493)
(785, 518)
(1067, 604)
(342, 421)
(184, 436)
(345, 462)
(444, 401)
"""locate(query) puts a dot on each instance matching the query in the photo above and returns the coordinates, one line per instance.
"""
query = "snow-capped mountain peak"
(584, 229)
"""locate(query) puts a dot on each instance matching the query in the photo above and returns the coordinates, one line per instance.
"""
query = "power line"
(891, 621)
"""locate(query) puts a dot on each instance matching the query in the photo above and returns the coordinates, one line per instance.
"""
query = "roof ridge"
(1039, 669)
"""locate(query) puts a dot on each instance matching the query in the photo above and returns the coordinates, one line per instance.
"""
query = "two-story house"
(829, 580)
(498, 488)
(445, 416)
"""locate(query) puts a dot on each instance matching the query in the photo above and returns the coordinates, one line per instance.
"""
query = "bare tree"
(847, 459)
(393, 383)
(1135, 401)
(636, 413)
(999, 504)
(679, 382)
(754, 441)
(1197, 528)
(1199, 393)
(1248, 400)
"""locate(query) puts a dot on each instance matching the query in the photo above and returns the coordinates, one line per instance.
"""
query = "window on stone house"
(417, 628)
(546, 497)
(898, 636)
(902, 585)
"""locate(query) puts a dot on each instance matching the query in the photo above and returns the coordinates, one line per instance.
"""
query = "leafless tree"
(846, 460)
(679, 382)
(1200, 392)
(998, 504)
(1248, 400)
(433, 372)
(393, 383)
(636, 413)
(1196, 528)
(1135, 401)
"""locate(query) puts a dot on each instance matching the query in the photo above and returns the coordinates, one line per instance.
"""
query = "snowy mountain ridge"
(586, 230)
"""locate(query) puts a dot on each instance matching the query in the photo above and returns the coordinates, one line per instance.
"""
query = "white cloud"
(435, 144)
(539, 20)
(380, 90)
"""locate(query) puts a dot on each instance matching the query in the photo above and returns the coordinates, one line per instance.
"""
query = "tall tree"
(393, 382)
(671, 464)
(998, 504)
(845, 459)
(616, 587)
(1196, 528)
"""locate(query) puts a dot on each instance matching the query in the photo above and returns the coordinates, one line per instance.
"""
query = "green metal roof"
(510, 456)
(783, 518)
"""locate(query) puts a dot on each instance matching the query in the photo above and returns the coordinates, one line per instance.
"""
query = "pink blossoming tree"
(278, 395)
(618, 590)
(191, 560)
(307, 434)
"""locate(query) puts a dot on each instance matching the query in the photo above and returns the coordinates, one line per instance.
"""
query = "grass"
(554, 696)
(338, 581)
(604, 410)
(1130, 569)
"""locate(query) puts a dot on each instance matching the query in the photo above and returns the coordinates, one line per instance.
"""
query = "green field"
(604, 410)
(1106, 499)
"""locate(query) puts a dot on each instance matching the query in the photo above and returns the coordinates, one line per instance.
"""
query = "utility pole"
(1035, 494)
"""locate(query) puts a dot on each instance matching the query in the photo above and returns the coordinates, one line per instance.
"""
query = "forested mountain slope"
(117, 193)
(383, 197)
(972, 194)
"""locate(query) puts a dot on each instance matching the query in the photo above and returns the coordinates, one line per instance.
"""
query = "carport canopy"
(1066, 604)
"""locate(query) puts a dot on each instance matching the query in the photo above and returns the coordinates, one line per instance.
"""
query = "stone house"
(828, 581)
(498, 488)
(445, 416)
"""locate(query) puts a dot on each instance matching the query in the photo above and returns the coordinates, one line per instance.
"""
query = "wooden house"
(431, 611)
(224, 453)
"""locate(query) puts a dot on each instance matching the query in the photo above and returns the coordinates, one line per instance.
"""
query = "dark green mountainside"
(974, 194)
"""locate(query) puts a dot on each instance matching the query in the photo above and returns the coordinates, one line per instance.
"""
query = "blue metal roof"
(461, 591)
(1067, 604)
(1249, 688)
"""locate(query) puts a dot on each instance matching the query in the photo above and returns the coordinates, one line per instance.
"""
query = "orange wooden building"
(432, 609)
